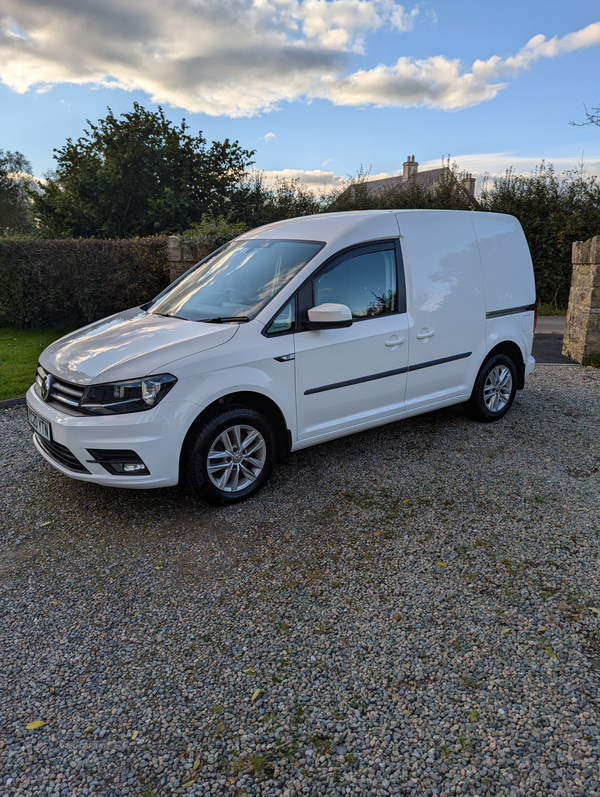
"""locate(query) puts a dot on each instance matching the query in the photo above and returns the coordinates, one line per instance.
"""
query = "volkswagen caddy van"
(294, 333)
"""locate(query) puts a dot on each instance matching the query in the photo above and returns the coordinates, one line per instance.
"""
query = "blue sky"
(318, 88)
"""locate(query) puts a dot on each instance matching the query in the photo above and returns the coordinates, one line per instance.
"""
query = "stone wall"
(183, 253)
(582, 331)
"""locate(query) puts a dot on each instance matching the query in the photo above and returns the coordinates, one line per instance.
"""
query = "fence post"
(582, 330)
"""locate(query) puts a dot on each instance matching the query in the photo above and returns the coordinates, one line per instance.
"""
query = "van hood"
(130, 345)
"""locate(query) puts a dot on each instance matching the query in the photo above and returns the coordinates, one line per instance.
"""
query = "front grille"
(64, 392)
(60, 454)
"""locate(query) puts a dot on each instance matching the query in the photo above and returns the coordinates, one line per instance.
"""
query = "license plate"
(39, 425)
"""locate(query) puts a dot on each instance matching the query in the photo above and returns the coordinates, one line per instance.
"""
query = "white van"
(295, 333)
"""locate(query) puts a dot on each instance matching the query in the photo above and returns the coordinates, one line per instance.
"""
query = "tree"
(15, 176)
(255, 202)
(136, 176)
(592, 118)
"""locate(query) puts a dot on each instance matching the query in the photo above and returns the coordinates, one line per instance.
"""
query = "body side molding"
(384, 374)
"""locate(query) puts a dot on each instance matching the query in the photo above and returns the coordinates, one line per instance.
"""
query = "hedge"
(47, 283)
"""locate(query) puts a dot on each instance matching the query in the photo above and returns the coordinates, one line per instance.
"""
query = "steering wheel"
(239, 294)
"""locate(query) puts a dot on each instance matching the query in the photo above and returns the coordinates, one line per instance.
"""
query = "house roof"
(424, 179)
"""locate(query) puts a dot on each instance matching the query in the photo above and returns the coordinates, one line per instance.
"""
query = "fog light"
(119, 462)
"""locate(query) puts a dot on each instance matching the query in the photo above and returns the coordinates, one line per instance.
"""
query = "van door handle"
(424, 335)
(393, 342)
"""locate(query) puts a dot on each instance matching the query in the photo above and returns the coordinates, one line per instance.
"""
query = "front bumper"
(156, 436)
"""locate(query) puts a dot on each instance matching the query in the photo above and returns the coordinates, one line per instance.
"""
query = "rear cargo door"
(446, 306)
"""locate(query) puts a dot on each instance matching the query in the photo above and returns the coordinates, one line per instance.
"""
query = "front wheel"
(231, 457)
(494, 391)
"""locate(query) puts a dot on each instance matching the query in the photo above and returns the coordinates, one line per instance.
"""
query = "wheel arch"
(512, 350)
(245, 398)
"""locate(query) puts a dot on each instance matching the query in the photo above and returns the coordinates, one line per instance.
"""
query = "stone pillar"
(582, 331)
(183, 253)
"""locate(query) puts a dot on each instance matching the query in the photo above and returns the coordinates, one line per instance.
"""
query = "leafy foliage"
(137, 176)
(255, 202)
(214, 232)
(73, 282)
(15, 177)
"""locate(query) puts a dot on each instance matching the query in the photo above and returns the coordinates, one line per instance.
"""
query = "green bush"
(255, 202)
(214, 232)
(47, 283)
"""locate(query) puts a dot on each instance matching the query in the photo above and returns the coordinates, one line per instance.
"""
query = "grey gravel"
(415, 604)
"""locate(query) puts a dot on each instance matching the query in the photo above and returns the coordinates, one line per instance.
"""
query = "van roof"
(341, 227)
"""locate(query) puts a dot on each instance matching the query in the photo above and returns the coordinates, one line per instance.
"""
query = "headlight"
(132, 396)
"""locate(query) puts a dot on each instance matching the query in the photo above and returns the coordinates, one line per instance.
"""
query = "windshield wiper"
(225, 319)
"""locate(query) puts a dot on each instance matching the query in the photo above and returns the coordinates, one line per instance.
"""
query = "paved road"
(551, 324)
(548, 341)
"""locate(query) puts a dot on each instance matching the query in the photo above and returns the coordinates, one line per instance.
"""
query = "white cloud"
(435, 82)
(404, 20)
(242, 57)
(315, 178)
(268, 137)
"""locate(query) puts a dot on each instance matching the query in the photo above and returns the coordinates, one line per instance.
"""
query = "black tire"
(219, 468)
(494, 391)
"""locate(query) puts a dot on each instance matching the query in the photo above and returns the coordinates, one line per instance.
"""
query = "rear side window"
(364, 281)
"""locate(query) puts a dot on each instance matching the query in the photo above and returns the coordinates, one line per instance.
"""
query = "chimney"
(468, 183)
(410, 168)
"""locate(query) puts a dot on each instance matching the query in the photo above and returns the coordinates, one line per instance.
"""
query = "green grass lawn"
(19, 353)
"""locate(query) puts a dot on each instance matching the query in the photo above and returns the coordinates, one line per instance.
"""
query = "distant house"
(411, 175)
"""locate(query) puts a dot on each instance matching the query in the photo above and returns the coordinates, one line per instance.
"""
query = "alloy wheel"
(236, 458)
(498, 388)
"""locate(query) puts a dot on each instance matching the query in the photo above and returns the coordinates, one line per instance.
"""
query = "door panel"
(345, 377)
(357, 375)
(447, 330)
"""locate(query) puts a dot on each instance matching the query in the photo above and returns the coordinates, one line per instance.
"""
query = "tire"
(494, 391)
(218, 468)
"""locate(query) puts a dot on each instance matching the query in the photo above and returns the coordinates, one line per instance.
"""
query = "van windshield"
(236, 281)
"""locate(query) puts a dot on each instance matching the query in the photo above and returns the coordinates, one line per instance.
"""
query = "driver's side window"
(365, 282)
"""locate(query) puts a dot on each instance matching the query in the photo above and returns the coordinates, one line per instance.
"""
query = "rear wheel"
(231, 457)
(495, 389)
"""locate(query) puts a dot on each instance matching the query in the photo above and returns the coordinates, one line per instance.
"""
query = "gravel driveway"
(412, 610)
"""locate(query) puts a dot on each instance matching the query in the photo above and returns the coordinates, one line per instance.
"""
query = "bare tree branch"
(592, 118)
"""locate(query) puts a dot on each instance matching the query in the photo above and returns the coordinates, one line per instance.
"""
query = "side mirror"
(328, 316)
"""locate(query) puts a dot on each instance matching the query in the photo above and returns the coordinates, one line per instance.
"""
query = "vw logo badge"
(46, 387)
